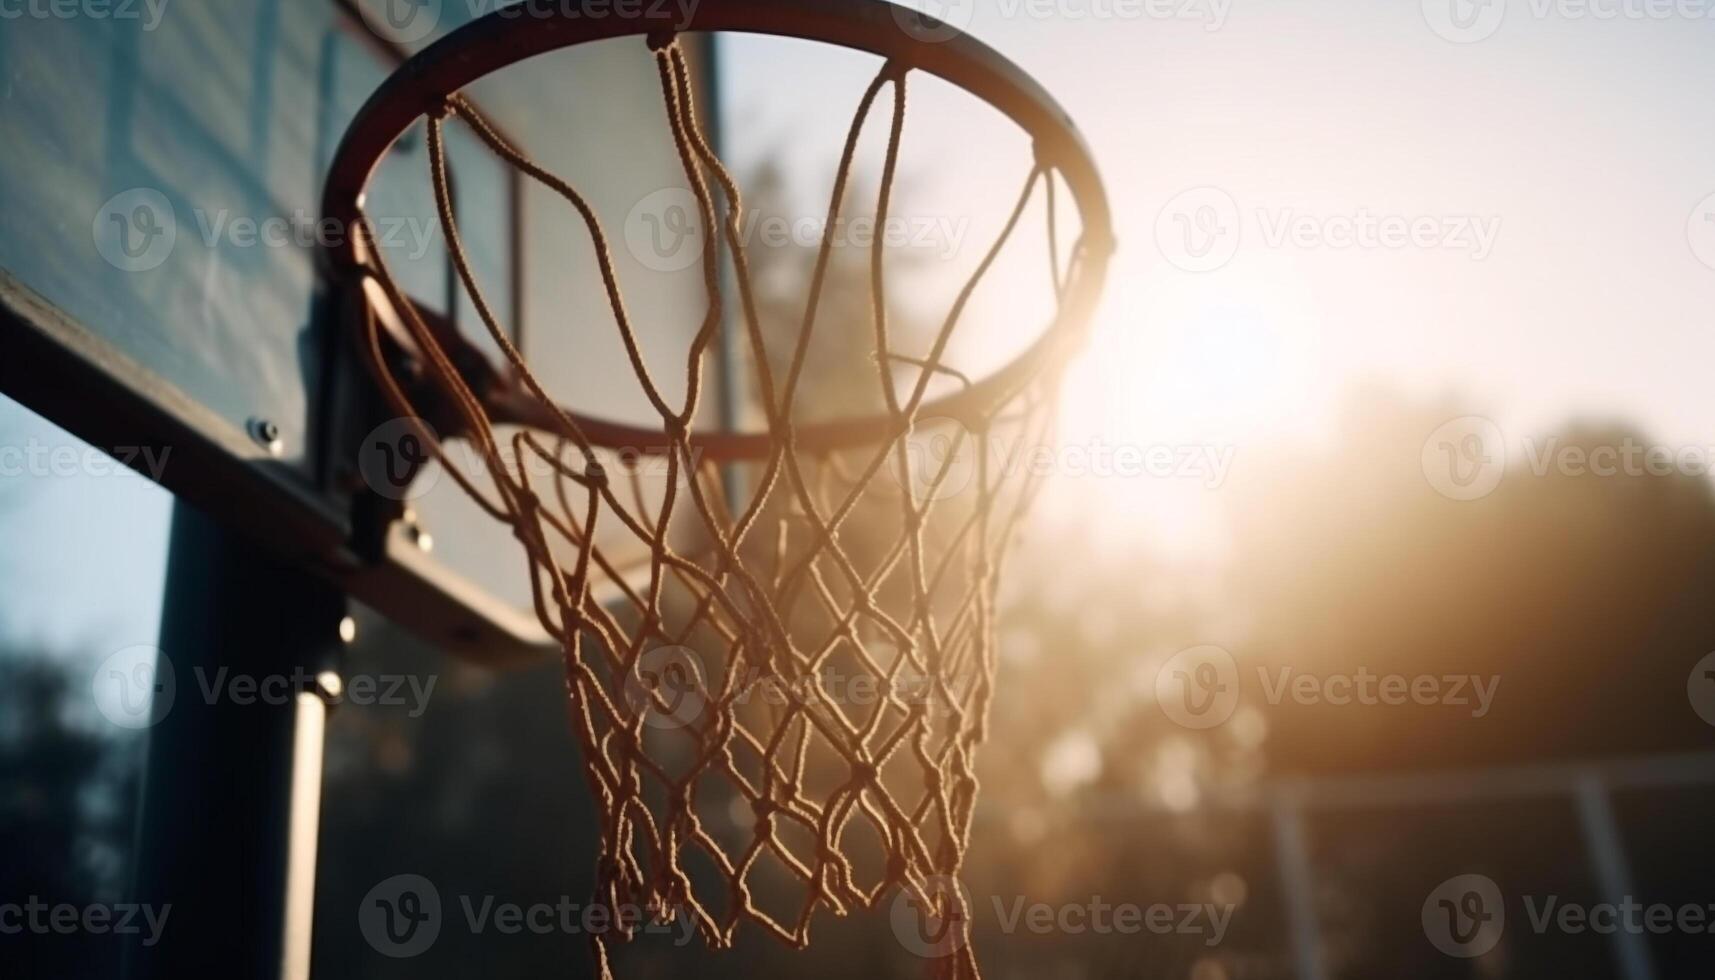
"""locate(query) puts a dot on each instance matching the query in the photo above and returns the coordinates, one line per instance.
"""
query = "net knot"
(596, 474)
(865, 773)
(913, 520)
(661, 40)
(765, 810)
(530, 504)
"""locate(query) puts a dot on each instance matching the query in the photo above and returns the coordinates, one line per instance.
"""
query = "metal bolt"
(414, 530)
(267, 433)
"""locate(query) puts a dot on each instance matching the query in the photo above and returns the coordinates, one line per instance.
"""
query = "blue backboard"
(162, 280)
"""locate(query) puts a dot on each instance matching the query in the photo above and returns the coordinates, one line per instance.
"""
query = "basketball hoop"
(825, 563)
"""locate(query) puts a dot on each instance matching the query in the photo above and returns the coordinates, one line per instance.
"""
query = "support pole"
(231, 797)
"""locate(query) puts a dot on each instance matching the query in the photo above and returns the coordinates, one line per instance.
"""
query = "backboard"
(160, 241)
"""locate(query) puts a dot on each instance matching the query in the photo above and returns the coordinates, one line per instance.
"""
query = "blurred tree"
(1584, 596)
(68, 798)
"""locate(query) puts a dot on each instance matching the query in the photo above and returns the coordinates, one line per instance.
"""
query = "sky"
(88, 545)
(1550, 168)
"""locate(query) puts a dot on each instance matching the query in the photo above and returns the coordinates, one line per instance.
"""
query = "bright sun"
(1197, 368)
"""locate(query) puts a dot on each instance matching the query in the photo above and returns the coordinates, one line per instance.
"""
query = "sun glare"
(1184, 375)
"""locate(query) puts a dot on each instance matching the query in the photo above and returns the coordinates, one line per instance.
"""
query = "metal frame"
(1588, 786)
(510, 35)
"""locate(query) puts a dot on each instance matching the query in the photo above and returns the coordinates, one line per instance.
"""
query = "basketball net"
(724, 770)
